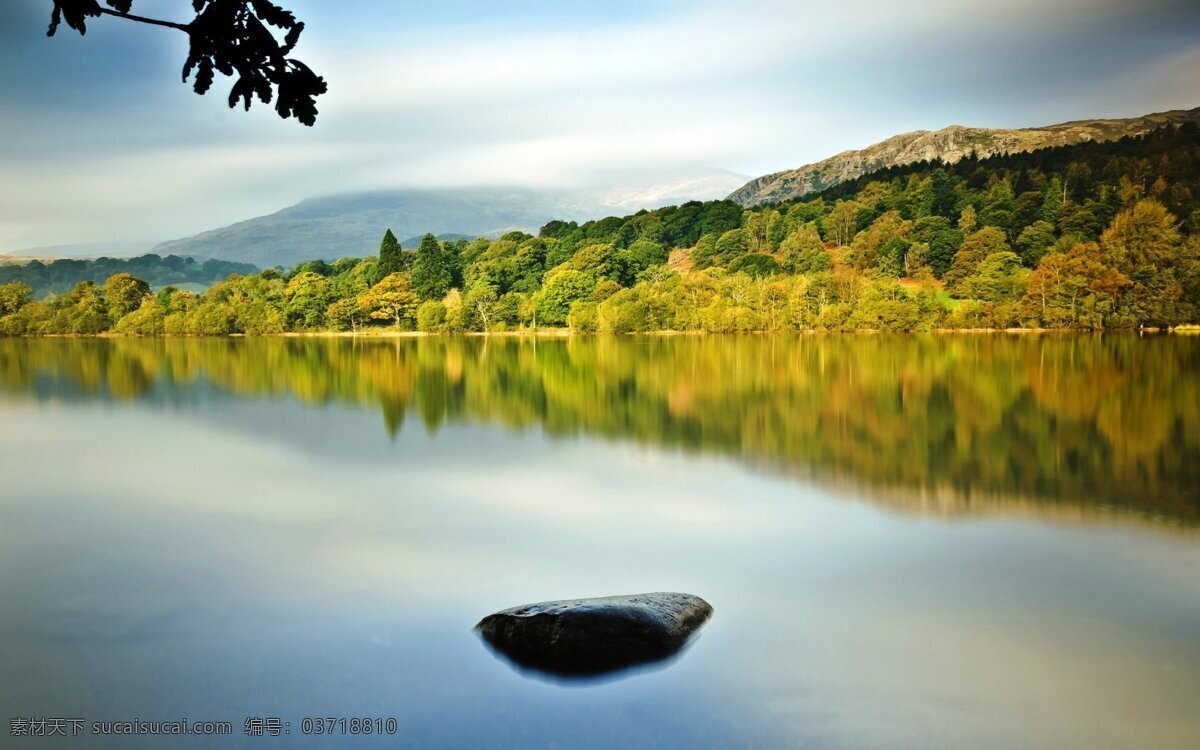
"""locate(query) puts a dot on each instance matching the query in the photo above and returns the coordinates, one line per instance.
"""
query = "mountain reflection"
(1048, 425)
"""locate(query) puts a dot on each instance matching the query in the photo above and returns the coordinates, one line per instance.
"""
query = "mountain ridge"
(950, 144)
(351, 224)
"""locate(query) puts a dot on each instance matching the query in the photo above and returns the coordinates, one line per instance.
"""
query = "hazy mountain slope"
(413, 242)
(949, 144)
(351, 225)
(114, 249)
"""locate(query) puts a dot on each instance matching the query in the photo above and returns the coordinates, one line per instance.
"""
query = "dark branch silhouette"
(230, 37)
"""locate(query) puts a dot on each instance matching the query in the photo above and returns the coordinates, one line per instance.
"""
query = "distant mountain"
(351, 225)
(413, 242)
(948, 144)
(338, 226)
(114, 249)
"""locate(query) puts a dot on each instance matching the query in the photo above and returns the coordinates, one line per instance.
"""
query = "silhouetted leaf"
(74, 12)
(239, 92)
(292, 37)
(231, 37)
(273, 14)
(204, 76)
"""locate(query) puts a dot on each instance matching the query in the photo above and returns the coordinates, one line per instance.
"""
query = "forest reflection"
(1063, 425)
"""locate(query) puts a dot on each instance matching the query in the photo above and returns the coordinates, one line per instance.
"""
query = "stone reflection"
(950, 424)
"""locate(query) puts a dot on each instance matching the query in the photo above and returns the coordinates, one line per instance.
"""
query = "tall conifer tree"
(430, 275)
(391, 256)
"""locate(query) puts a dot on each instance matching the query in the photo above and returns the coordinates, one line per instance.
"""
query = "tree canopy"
(61, 275)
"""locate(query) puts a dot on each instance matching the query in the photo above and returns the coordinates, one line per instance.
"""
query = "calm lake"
(908, 542)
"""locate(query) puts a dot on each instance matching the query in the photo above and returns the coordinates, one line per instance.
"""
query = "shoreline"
(561, 333)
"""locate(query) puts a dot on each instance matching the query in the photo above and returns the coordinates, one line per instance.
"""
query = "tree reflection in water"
(1047, 424)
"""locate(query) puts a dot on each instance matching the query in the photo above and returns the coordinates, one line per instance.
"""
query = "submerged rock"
(580, 637)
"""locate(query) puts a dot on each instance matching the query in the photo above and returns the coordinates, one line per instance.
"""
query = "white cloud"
(751, 87)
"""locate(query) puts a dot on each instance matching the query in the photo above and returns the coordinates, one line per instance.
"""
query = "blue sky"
(103, 143)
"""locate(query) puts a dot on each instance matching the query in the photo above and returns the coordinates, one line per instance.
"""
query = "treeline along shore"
(1090, 236)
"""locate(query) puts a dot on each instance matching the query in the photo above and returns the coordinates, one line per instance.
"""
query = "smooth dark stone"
(588, 637)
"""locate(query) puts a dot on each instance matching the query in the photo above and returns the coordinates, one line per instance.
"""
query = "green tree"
(890, 260)
(761, 228)
(599, 260)
(604, 289)
(13, 297)
(30, 319)
(562, 288)
(345, 314)
(971, 253)
(641, 308)
(1079, 219)
(640, 255)
(212, 319)
(755, 264)
(968, 222)
(885, 307)
(307, 297)
(943, 239)
(1052, 202)
(941, 199)
(481, 300)
(584, 316)
(998, 277)
(391, 299)
(459, 317)
(1034, 240)
(124, 294)
(997, 208)
(392, 258)
(803, 252)
(716, 217)
(730, 245)
(82, 310)
(1143, 237)
(430, 275)
(319, 267)
(842, 223)
(867, 244)
(1073, 288)
(259, 317)
(147, 320)
(704, 254)
(916, 261)
(431, 316)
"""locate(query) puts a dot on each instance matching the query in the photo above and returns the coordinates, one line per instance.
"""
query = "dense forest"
(1095, 235)
(61, 275)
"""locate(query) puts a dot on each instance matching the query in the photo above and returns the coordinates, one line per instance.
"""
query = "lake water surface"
(908, 542)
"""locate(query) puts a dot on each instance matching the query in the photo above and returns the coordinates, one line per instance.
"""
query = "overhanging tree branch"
(144, 19)
(230, 37)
